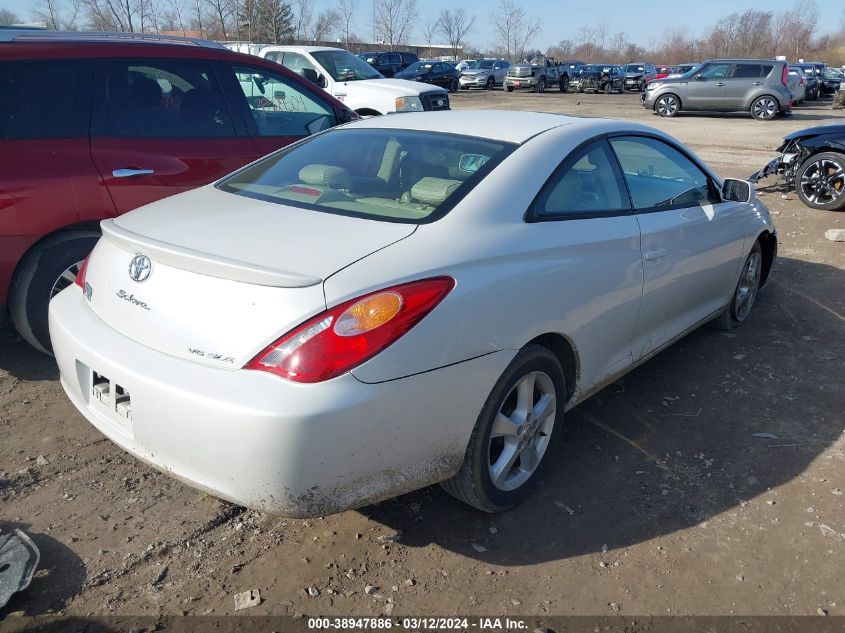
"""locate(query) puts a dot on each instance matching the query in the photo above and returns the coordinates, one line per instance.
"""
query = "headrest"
(433, 191)
(328, 175)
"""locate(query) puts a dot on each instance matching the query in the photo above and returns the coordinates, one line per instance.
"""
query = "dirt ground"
(661, 500)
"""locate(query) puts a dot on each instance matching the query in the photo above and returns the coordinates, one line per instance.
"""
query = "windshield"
(684, 69)
(380, 174)
(634, 68)
(420, 67)
(481, 64)
(594, 68)
(344, 66)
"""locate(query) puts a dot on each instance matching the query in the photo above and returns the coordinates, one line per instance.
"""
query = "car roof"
(498, 125)
(45, 36)
(307, 49)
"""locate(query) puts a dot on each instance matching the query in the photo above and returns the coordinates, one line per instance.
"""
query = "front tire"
(667, 105)
(541, 85)
(516, 432)
(564, 84)
(820, 181)
(745, 293)
(509, 88)
(764, 108)
(44, 271)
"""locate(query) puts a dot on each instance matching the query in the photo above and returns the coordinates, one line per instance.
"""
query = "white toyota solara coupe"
(401, 301)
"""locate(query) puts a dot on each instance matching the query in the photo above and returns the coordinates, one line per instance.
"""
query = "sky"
(644, 22)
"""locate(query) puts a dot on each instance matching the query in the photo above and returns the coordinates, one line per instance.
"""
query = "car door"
(692, 242)
(162, 126)
(742, 81)
(588, 233)
(705, 90)
(277, 109)
(499, 70)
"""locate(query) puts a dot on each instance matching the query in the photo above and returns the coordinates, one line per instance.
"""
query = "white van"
(354, 82)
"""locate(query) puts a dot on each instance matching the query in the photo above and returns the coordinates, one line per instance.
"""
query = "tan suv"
(758, 86)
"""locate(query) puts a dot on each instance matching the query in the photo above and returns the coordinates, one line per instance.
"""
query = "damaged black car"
(600, 78)
(812, 162)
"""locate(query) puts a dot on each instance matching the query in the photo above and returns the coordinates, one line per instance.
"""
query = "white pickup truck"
(354, 82)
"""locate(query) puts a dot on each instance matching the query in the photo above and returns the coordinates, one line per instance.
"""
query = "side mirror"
(734, 190)
(310, 74)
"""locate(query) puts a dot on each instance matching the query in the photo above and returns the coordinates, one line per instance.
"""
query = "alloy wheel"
(667, 106)
(746, 289)
(521, 431)
(67, 278)
(823, 182)
(764, 108)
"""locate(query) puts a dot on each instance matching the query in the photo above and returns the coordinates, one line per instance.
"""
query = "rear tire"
(608, 87)
(765, 108)
(48, 268)
(533, 383)
(455, 85)
(737, 311)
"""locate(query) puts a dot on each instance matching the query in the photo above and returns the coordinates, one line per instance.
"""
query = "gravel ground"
(662, 499)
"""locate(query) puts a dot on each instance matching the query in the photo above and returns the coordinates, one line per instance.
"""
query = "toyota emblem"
(140, 268)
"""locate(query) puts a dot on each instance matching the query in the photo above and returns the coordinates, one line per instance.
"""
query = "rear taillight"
(80, 276)
(343, 337)
(783, 76)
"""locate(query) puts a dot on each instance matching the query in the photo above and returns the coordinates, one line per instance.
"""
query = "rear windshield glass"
(381, 174)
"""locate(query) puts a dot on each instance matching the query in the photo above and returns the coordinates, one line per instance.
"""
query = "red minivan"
(94, 125)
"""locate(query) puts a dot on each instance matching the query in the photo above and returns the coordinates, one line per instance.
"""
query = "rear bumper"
(260, 441)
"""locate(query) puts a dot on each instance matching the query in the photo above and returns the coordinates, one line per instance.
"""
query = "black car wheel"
(608, 87)
(820, 181)
(564, 84)
(491, 83)
(454, 85)
(541, 85)
(46, 270)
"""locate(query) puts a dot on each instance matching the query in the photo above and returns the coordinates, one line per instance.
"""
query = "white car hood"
(390, 87)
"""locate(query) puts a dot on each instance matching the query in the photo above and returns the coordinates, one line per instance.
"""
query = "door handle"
(655, 254)
(126, 173)
(719, 83)
(758, 83)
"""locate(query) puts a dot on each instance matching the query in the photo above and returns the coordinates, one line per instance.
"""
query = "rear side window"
(661, 177)
(587, 184)
(751, 71)
(160, 98)
(45, 99)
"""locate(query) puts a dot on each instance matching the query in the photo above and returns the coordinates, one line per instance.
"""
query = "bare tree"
(346, 10)
(303, 15)
(221, 14)
(325, 25)
(53, 14)
(176, 15)
(393, 20)
(8, 18)
(430, 28)
(514, 28)
(454, 25)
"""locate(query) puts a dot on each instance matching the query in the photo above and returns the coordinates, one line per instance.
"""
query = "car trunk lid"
(214, 277)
